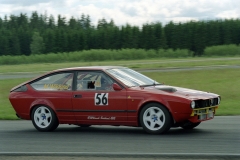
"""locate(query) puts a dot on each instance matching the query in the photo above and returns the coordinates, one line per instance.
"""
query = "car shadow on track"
(113, 130)
(127, 130)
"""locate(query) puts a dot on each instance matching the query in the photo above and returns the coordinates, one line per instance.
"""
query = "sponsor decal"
(56, 86)
(102, 118)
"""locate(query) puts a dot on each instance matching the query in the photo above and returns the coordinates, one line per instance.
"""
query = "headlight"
(219, 99)
(193, 104)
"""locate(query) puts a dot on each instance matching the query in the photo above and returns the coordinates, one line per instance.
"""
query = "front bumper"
(203, 114)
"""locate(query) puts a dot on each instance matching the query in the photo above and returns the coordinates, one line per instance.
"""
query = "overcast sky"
(134, 12)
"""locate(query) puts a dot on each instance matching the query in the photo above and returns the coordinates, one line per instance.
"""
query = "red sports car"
(109, 95)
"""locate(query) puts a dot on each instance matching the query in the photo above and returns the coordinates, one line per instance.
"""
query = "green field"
(225, 82)
(135, 64)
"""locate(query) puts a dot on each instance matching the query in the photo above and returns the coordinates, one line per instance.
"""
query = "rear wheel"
(44, 119)
(190, 125)
(155, 118)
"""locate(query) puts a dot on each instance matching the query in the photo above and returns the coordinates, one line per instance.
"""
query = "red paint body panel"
(123, 108)
(24, 101)
(116, 103)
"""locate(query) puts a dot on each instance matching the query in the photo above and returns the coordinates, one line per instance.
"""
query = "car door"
(95, 101)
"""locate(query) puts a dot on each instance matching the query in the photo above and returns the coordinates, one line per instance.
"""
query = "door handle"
(77, 96)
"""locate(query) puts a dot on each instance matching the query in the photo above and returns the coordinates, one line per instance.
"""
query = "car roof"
(89, 68)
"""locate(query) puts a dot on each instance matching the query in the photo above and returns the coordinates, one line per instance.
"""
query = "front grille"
(206, 103)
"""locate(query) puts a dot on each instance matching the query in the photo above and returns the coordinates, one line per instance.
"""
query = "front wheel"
(155, 118)
(44, 119)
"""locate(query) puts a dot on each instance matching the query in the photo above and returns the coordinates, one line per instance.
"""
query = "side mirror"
(116, 87)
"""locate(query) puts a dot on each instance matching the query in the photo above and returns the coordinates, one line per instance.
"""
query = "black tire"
(84, 125)
(44, 119)
(189, 125)
(158, 121)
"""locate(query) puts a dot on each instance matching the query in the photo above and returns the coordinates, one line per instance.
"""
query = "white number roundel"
(101, 99)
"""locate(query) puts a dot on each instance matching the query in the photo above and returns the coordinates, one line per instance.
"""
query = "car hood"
(183, 92)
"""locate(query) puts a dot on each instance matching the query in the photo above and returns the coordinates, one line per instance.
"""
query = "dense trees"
(23, 35)
(37, 46)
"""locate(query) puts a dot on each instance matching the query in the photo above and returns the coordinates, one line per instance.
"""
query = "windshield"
(131, 78)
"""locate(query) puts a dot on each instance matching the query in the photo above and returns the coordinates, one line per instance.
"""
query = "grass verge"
(135, 64)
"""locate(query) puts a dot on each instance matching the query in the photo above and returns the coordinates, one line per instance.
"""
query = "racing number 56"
(101, 99)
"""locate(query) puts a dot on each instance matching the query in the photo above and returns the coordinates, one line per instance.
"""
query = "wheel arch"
(42, 102)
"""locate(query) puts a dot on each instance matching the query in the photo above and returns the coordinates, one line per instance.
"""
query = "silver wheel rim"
(154, 118)
(42, 117)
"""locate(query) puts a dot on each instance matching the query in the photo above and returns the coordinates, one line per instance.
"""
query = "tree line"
(41, 34)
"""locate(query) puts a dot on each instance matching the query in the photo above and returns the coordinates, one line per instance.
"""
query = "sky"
(134, 12)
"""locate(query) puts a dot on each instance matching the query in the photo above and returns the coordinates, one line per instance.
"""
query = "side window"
(56, 82)
(93, 81)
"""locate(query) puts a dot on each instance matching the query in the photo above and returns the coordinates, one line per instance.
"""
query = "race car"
(110, 95)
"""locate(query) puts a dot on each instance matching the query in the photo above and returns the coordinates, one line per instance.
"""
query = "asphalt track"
(217, 138)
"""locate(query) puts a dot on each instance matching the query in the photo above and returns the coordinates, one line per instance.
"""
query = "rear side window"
(56, 82)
